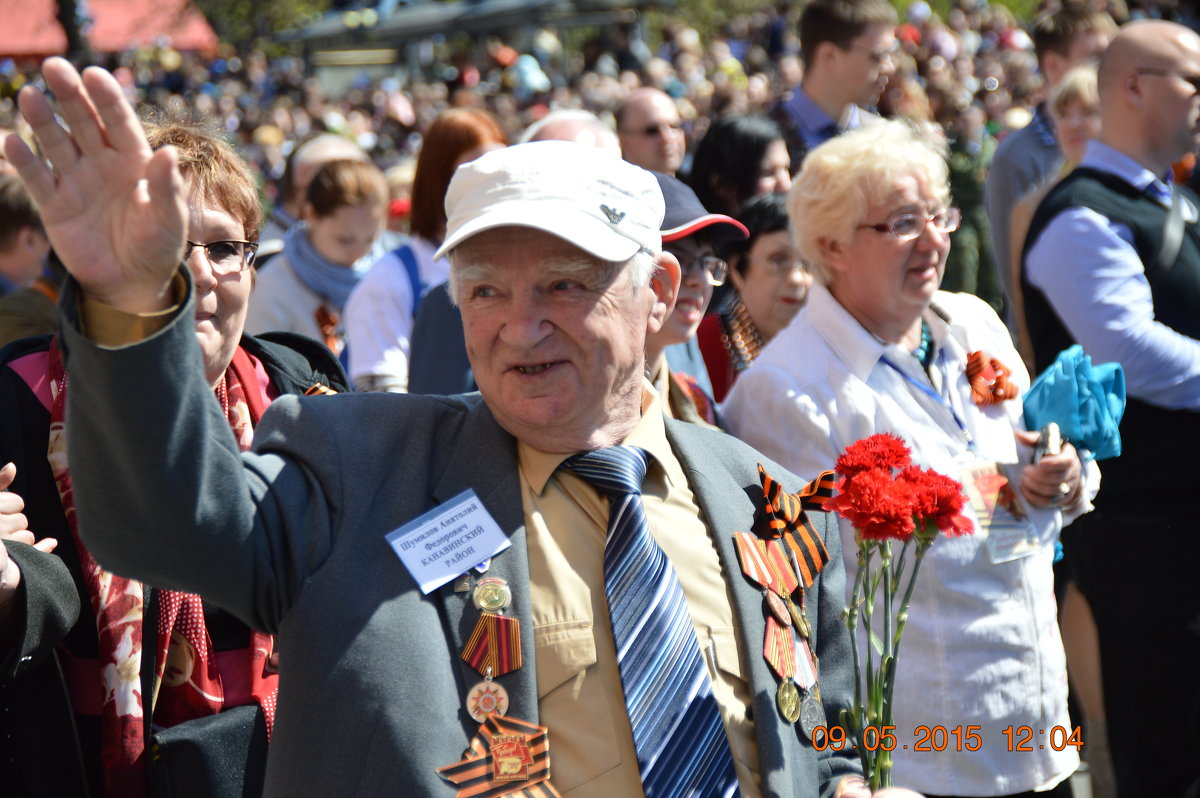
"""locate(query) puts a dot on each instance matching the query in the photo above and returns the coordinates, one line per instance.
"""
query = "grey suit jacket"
(290, 538)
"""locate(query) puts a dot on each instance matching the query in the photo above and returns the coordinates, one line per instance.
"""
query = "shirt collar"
(854, 344)
(1043, 125)
(1107, 159)
(650, 433)
(816, 126)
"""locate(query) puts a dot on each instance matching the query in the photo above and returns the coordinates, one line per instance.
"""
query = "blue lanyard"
(937, 397)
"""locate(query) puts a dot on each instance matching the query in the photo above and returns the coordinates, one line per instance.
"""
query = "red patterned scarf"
(187, 681)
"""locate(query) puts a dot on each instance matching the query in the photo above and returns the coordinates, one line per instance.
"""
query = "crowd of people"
(597, 304)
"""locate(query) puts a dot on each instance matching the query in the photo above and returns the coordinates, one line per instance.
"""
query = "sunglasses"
(661, 129)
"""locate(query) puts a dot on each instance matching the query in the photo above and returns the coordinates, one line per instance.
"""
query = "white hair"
(642, 267)
(845, 176)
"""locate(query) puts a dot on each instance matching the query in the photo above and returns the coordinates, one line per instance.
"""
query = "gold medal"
(787, 698)
(486, 698)
(778, 608)
(800, 619)
(492, 595)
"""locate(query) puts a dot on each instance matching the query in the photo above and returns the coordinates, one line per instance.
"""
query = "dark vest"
(1159, 445)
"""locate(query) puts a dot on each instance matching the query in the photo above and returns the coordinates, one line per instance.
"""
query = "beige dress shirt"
(579, 685)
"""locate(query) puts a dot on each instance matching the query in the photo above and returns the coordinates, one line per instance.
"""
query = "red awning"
(29, 27)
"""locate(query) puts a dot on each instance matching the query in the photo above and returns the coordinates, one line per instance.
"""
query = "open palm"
(115, 212)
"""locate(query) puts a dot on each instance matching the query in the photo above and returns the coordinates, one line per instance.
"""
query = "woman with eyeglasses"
(110, 687)
(770, 285)
(689, 232)
(879, 349)
(305, 288)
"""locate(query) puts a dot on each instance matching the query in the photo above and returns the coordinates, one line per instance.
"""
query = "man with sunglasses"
(1112, 262)
(650, 131)
(847, 46)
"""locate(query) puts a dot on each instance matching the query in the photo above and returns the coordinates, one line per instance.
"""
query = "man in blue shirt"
(1027, 158)
(1112, 262)
(847, 47)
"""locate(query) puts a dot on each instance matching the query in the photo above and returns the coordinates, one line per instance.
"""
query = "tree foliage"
(251, 23)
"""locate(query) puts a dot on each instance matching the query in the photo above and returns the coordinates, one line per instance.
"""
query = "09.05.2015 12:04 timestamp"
(956, 738)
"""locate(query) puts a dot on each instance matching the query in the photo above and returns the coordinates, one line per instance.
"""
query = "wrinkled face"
(864, 66)
(651, 134)
(886, 283)
(694, 290)
(345, 235)
(221, 300)
(1076, 124)
(556, 338)
(775, 284)
(775, 171)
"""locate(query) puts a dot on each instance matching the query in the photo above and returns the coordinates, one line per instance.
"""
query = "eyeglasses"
(907, 226)
(225, 257)
(715, 270)
(660, 129)
(1194, 80)
(780, 264)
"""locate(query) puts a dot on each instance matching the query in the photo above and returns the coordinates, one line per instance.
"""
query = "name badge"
(447, 541)
(1001, 513)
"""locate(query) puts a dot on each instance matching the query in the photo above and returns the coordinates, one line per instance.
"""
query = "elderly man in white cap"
(531, 591)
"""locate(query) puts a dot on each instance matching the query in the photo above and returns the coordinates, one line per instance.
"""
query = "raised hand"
(115, 211)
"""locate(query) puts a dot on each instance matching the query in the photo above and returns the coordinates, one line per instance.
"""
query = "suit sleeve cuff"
(107, 326)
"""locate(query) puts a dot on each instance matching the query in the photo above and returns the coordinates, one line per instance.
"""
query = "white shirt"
(982, 645)
(379, 317)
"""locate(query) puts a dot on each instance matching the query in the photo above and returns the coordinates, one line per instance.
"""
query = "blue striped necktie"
(677, 730)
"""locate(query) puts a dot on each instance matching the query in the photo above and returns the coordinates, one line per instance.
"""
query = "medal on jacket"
(506, 756)
(784, 558)
(779, 650)
(493, 649)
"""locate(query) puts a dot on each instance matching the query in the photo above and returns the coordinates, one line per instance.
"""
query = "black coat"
(45, 749)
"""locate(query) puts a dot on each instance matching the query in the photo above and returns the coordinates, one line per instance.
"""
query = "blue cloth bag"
(1087, 402)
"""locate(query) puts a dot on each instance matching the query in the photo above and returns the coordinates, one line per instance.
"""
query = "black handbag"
(218, 756)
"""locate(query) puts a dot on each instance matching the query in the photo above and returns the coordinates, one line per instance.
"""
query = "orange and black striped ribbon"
(484, 773)
(495, 643)
(809, 550)
(320, 389)
(989, 380)
(788, 520)
(779, 649)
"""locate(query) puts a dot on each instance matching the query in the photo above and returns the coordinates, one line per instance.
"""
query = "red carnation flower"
(879, 506)
(937, 499)
(882, 450)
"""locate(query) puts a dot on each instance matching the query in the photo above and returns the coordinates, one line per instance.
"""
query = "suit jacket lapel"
(485, 460)
(730, 505)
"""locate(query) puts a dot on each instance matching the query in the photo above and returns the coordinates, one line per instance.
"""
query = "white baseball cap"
(585, 195)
